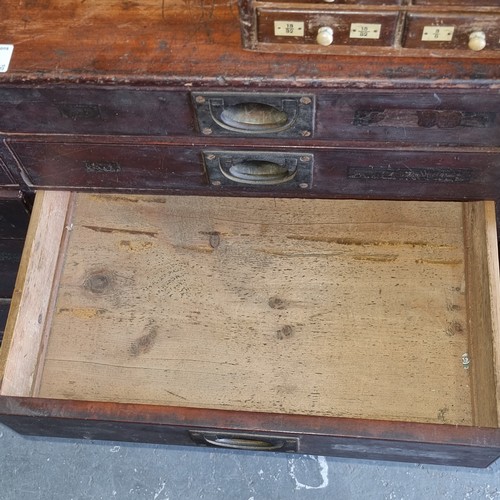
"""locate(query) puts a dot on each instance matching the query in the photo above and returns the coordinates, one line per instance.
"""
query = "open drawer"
(334, 327)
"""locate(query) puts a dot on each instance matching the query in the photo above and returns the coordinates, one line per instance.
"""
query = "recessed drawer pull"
(244, 444)
(250, 116)
(258, 114)
(260, 172)
(259, 168)
(251, 442)
(254, 117)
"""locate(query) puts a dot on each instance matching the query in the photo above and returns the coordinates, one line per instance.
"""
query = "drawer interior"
(363, 309)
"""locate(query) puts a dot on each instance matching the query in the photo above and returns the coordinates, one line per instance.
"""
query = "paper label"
(365, 30)
(5, 55)
(288, 28)
(438, 33)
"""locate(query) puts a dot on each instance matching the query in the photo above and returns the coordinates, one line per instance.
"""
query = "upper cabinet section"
(204, 44)
(420, 28)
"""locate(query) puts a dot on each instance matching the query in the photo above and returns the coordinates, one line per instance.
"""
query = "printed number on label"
(366, 31)
(437, 33)
(288, 28)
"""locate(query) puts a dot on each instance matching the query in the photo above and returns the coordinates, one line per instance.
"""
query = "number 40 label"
(5, 55)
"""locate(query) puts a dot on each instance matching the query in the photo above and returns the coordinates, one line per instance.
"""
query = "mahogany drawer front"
(368, 173)
(110, 166)
(436, 118)
(176, 426)
(407, 174)
(197, 320)
(108, 110)
(412, 117)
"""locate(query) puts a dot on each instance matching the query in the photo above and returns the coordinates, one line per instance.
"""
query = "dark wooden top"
(193, 43)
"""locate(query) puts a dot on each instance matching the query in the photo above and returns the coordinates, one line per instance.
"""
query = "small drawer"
(108, 166)
(461, 32)
(333, 327)
(346, 28)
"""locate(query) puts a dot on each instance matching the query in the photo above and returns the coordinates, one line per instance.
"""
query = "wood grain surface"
(317, 307)
(191, 42)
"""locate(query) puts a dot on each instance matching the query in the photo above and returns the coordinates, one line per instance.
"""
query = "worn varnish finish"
(120, 77)
(99, 96)
(194, 42)
(266, 308)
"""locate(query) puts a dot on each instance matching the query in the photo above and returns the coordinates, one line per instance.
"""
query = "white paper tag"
(5, 55)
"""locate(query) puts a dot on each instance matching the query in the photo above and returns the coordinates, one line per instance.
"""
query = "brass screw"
(207, 131)
(305, 100)
(305, 158)
(210, 157)
(305, 133)
(200, 99)
(465, 361)
(216, 183)
(303, 185)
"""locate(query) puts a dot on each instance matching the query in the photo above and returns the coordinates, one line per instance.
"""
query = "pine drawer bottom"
(335, 327)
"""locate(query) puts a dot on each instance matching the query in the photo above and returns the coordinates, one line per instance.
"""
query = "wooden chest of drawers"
(163, 100)
(338, 327)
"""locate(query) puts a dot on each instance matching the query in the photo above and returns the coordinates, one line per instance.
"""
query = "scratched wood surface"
(319, 307)
(193, 42)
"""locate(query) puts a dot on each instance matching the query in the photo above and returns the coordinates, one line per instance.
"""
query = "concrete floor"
(56, 469)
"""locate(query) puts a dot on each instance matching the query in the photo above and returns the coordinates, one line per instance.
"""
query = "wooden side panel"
(483, 302)
(23, 341)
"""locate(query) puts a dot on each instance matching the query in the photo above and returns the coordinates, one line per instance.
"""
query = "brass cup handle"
(258, 172)
(251, 442)
(245, 444)
(254, 117)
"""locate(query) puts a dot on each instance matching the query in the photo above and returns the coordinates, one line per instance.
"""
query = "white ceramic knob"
(477, 40)
(325, 36)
